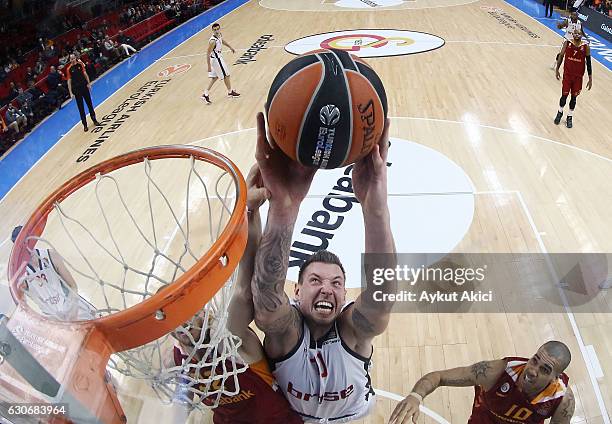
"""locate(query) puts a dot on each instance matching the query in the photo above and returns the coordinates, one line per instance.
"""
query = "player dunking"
(509, 390)
(320, 346)
(257, 402)
(217, 69)
(576, 53)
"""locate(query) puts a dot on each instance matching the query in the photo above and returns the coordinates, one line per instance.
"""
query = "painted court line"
(569, 314)
(433, 415)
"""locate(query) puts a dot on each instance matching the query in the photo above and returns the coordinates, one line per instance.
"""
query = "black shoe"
(206, 99)
(85, 129)
(558, 118)
(233, 94)
(568, 122)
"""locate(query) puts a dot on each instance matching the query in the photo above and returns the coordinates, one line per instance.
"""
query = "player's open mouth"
(323, 306)
(528, 379)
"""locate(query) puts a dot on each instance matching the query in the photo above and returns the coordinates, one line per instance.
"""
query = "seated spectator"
(97, 55)
(20, 57)
(26, 109)
(42, 45)
(50, 51)
(30, 75)
(40, 66)
(126, 43)
(64, 58)
(41, 104)
(13, 92)
(23, 96)
(111, 48)
(15, 119)
(55, 85)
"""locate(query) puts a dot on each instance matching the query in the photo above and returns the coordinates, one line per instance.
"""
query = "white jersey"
(216, 53)
(571, 28)
(218, 67)
(324, 380)
(51, 293)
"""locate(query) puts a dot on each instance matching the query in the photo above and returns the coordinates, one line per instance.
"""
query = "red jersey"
(504, 403)
(257, 402)
(575, 59)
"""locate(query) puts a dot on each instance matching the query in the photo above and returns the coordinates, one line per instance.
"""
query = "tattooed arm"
(565, 410)
(287, 183)
(483, 374)
(273, 313)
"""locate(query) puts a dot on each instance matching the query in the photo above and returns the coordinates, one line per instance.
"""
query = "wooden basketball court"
(485, 100)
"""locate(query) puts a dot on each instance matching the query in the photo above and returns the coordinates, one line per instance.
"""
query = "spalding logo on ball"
(326, 109)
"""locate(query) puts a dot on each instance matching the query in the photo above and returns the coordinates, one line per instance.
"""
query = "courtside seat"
(144, 29)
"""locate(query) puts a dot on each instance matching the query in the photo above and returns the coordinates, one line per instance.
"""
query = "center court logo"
(367, 4)
(174, 70)
(369, 42)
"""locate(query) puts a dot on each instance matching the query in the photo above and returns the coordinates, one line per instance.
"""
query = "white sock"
(571, 112)
(206, 93)
(560, 110)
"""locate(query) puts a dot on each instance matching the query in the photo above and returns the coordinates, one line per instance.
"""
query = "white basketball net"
(123, 237)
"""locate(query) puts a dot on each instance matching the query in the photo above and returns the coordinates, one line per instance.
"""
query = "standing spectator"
(78, 86)
(548, 4)
(15, 119)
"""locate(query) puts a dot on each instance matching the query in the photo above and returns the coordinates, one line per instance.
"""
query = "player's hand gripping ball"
(326, 109)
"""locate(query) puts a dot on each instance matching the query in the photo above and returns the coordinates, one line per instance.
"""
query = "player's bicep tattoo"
(567, 409)
(282, 324)
(361, 323)
(480, 370)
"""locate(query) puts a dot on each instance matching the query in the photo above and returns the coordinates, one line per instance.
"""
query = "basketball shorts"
(571, 84)
(218, 68)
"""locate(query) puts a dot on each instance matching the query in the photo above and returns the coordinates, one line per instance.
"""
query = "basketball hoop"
(136, 300)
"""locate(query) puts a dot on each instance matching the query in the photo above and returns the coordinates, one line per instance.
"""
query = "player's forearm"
(379, 241)
(378, 236)
(271, 262)
(247, 262)
(427, 384)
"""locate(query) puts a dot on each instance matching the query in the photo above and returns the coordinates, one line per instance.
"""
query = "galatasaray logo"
(174, 70)
(369, 42)
(356, 42)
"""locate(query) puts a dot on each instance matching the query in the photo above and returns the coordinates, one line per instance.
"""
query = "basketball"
(326, 109)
